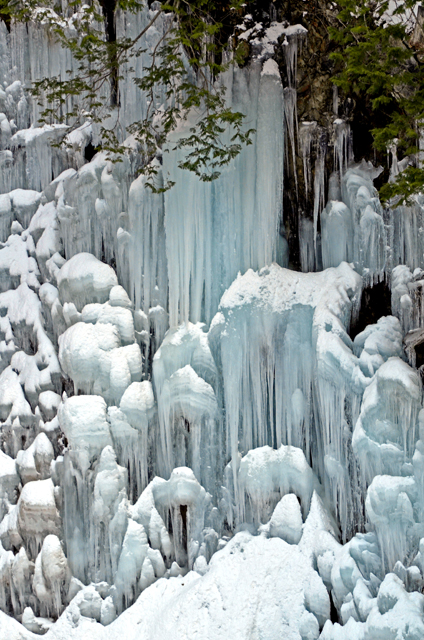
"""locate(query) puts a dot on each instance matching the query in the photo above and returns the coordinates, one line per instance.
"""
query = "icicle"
(307, 132)
(343, 153)
(211, 228)
(147, 257)
(335, 100)
(277, 378)
(319, 184)
(292, 45)
(290, 112)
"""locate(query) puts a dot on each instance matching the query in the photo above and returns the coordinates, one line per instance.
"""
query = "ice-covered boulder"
(185, 380)
(37, 514)
(377, 343)
(188, 505)
(24, 204)
(138, 404)
(34, 463)
(84, 279)
(265, 476)
(389, 507)
(385, 432)
(49, 401)
(286, 520)
(394, 613)
(51, 576)
(10, 537)
(35, 624)
(83, 420)
(92, 356)
(190, 425)
(9, 481)
(187, 344)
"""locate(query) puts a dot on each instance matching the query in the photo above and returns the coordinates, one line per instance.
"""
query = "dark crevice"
(89, 152)
(6, 19)
(109, 8)
(419, 355)
(333, 611)
(183, 511)
(375, 303)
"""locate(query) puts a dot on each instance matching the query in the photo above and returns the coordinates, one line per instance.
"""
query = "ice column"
(286, 363)
(214, 230)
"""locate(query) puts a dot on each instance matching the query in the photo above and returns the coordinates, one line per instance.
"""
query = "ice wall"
(186, 424)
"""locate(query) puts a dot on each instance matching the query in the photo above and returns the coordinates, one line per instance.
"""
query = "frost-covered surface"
(195, 441)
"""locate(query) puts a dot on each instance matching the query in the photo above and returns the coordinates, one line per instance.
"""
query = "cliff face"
(211, 415)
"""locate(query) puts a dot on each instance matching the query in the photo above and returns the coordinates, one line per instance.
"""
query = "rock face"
(195, 439)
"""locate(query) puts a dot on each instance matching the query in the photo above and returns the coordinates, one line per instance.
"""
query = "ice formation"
(195, 439)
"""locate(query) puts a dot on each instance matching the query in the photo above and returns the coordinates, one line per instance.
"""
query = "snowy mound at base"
(253, 583)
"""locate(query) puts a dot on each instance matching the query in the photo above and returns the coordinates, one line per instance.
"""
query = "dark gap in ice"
(375, 303)
(169, 524)
(89, 152)
(333, 611)
(419, 355)
(109, 7)
(183, 511)
(6, 19)
(68, 387)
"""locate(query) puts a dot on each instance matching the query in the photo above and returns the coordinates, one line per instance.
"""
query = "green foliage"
(185, 64)
(378, 61)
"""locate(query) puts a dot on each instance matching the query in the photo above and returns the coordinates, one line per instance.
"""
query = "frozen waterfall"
(196, 439)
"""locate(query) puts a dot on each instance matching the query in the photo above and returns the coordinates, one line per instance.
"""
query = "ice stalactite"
(130, 25)
(90, 207)
(185, 379)
(356, 220)
(319, 188)
(336, 221)
(385, 433)
(85, 440)
(147, 256)
(292, 45)
(211, 229)
(406, 234)
(224, 455)
(307, 131)
(109, 492)
(343, 152)
(408, 303)
(300, 352)
(290, 113)
(145, 263)
(188, 410)
(133, 427)
(287, 472)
